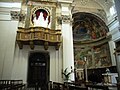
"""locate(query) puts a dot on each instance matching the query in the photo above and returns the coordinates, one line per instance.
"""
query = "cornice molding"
(65, 1)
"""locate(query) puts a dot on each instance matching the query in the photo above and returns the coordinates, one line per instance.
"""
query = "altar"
(110, 78)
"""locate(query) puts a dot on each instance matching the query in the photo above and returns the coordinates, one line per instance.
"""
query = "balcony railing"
(38, 36)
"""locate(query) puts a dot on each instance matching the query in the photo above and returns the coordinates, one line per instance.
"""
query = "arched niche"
(40, 17)
(91, 41)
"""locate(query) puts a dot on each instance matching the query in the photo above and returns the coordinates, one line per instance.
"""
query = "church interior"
(59, 45)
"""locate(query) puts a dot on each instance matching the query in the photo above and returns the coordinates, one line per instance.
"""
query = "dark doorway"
(38, 70)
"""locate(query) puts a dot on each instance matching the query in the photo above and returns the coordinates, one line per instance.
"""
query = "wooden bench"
(11, 85)
(73, 87)
(58, 86)
(50, 86)
(103, 87)
(72, 83)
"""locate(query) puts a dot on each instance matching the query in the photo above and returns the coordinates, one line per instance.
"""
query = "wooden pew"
(58, 86)
(11, 85)
(103, 87)
(5, 84)
(73, 87)
(50, 86)
(72, 83)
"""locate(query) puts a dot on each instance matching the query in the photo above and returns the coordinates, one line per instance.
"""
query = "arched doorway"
(38, 70)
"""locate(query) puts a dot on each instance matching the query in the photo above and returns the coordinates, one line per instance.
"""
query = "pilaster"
(68, 54)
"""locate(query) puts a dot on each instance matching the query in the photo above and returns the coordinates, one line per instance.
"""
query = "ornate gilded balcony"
(38, 36)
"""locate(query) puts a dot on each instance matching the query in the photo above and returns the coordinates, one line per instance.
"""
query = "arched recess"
(40, 16)
(91, 41)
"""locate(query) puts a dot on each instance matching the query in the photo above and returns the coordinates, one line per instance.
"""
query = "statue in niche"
(41, 18)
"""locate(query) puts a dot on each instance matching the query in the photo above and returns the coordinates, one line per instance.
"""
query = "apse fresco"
(89, 35)
(79, 55)
(88, 27)
(97, 57)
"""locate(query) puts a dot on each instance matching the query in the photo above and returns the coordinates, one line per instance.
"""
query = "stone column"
(68, 54)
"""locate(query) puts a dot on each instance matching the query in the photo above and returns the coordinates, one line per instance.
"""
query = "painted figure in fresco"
(41, 18)
(75, 29)
(103, 31)
(93, 35)
(82, 28)
(81, 31)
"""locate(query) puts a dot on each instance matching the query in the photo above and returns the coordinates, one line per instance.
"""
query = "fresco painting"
(89, 33)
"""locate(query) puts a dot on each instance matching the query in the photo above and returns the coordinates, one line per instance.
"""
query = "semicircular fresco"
(87, 26)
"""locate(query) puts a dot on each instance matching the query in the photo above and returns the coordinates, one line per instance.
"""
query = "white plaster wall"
(20, 63)
(13, 61)
(7, 43)
(7, 38)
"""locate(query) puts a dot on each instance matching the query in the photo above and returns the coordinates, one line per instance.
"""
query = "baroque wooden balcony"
(38, 36)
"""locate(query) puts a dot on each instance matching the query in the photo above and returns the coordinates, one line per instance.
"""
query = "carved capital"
(16, 15)
(66, 19)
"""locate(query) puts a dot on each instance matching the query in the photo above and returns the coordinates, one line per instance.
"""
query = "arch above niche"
(87, 26)
(40, 17)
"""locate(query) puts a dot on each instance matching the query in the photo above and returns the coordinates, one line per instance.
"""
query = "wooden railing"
(12, 85)
(38, 36)
(66, 86)
(82, 86)
(95, 86)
